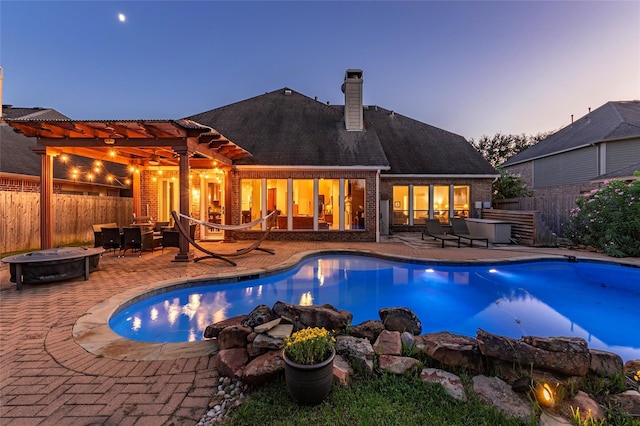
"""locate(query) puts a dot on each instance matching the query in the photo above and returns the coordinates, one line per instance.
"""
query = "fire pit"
(56, 264)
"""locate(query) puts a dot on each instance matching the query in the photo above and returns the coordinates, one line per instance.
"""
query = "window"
(441, 203)
(420, 204)
(354, 205)
(328, 195)
(400, 205)
(303, 205)
(250, 197)
(461, 201)
(277, 199)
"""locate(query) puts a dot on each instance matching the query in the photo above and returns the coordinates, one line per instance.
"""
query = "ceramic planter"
(309, 384)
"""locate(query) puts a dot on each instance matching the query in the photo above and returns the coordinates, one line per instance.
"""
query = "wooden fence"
(73, 216)
(554, 210)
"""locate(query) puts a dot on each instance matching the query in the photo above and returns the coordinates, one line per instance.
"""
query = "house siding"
(566, 168)
(621, 154)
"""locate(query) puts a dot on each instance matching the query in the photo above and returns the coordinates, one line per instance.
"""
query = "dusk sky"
(473, 68)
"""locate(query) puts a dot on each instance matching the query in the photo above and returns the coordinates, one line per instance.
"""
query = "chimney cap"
(353, 73)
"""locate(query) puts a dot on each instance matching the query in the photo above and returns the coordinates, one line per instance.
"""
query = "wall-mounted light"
(153, 160)
(109, 141)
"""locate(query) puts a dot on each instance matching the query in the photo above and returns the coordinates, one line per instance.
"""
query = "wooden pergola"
(139, 143)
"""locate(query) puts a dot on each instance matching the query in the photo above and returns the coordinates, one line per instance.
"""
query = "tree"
(509, 185)
(499, 148)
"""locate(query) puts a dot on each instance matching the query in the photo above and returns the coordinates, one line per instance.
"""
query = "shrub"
(608, 218)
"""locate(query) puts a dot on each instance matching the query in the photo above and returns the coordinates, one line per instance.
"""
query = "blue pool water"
(599, 302)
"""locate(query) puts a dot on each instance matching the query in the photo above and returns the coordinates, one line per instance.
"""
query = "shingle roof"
(286, 128)
(8, 111)
(613, 120)
(413, 147)
(623, 173)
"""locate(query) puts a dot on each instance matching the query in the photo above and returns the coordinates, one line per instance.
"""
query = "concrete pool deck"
(47, 377)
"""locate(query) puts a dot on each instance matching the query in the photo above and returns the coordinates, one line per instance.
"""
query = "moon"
(121, 17)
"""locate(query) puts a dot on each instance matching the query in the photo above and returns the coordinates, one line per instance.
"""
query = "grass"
(383, 400)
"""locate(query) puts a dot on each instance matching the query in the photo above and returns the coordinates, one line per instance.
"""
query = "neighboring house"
(602, 145)
(20, 166)
(572, 160)
(352, 168)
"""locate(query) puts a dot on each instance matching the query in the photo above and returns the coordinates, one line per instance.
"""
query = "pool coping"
(92, 332)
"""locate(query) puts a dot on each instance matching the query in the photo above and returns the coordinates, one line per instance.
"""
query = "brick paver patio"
(47, 378)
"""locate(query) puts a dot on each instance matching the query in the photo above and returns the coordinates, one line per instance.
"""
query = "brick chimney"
(352, 89)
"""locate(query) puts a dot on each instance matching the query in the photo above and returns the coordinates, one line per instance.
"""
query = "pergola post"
(46, 197)
(184, 255)
(137, 193)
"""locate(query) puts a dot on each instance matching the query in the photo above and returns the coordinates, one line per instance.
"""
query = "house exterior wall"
(570, 167)
(620, 154)
(479, 190)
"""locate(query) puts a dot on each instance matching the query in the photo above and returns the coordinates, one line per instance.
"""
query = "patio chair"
(171, 237)
(132, 239)
(111, 239)
(434, 230)
(461, 230)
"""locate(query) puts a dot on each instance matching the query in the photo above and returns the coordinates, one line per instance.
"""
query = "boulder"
(214, 329)
(407, 339)
(400, 319)
(342, 370)
(368, 330)
(605, 364)
(358, 351)
(266, 342)
(494, 391)
(263, 369)
(397, 364)
(565, 355)
(388, 343)
(231, 362)
(629, 401)
(234, 336)
(584, 405)
(261, 314)
(451, 350)
(266, 326)
(255, 351)
(451, 383)
(313, 316)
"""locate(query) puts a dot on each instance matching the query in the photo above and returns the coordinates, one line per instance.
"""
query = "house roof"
(613, 120)
(9, 111)
(286, 128)
(625, 173)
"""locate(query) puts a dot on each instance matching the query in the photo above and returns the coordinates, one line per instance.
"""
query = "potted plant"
(308, 364)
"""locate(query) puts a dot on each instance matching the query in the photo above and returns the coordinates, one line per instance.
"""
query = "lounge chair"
(434, 230)
(461, 230)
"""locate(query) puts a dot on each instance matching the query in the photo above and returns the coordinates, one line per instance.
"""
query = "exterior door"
(212, 206)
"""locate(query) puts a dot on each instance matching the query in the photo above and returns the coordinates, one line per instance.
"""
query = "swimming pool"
(593, 300)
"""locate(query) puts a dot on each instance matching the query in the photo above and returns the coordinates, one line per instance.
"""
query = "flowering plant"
(310, 345)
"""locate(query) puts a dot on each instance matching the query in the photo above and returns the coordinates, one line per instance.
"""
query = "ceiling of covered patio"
(133, 142)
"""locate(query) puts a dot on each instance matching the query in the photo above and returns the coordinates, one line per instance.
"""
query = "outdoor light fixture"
(109, 141)
(545, 395)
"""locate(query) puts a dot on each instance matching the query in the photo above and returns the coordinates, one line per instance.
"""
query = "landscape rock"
(214, 329)
(492, 390)
(280, 331)
(342, 370)
(451, 383)
(325, 316)
(234, 336)
(586, 406)
(400, 319)
(255, 351)
(267, 325)
(407, 339)
(264, 368)
(231, 362)
(629, 402)
(552, 419)
(265, 342)
(451, 350)
(397, 364)
(358, 351)
(605, 364)
(388, 343)
(261, 314)
(368, 330)
(565, 355)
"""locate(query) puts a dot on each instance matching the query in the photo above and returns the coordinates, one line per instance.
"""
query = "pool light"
(493, 270)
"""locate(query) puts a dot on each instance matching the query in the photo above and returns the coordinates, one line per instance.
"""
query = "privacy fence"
(554, 209)
(73, 216)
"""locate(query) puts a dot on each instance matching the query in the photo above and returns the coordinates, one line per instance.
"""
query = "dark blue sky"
(473, 68)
